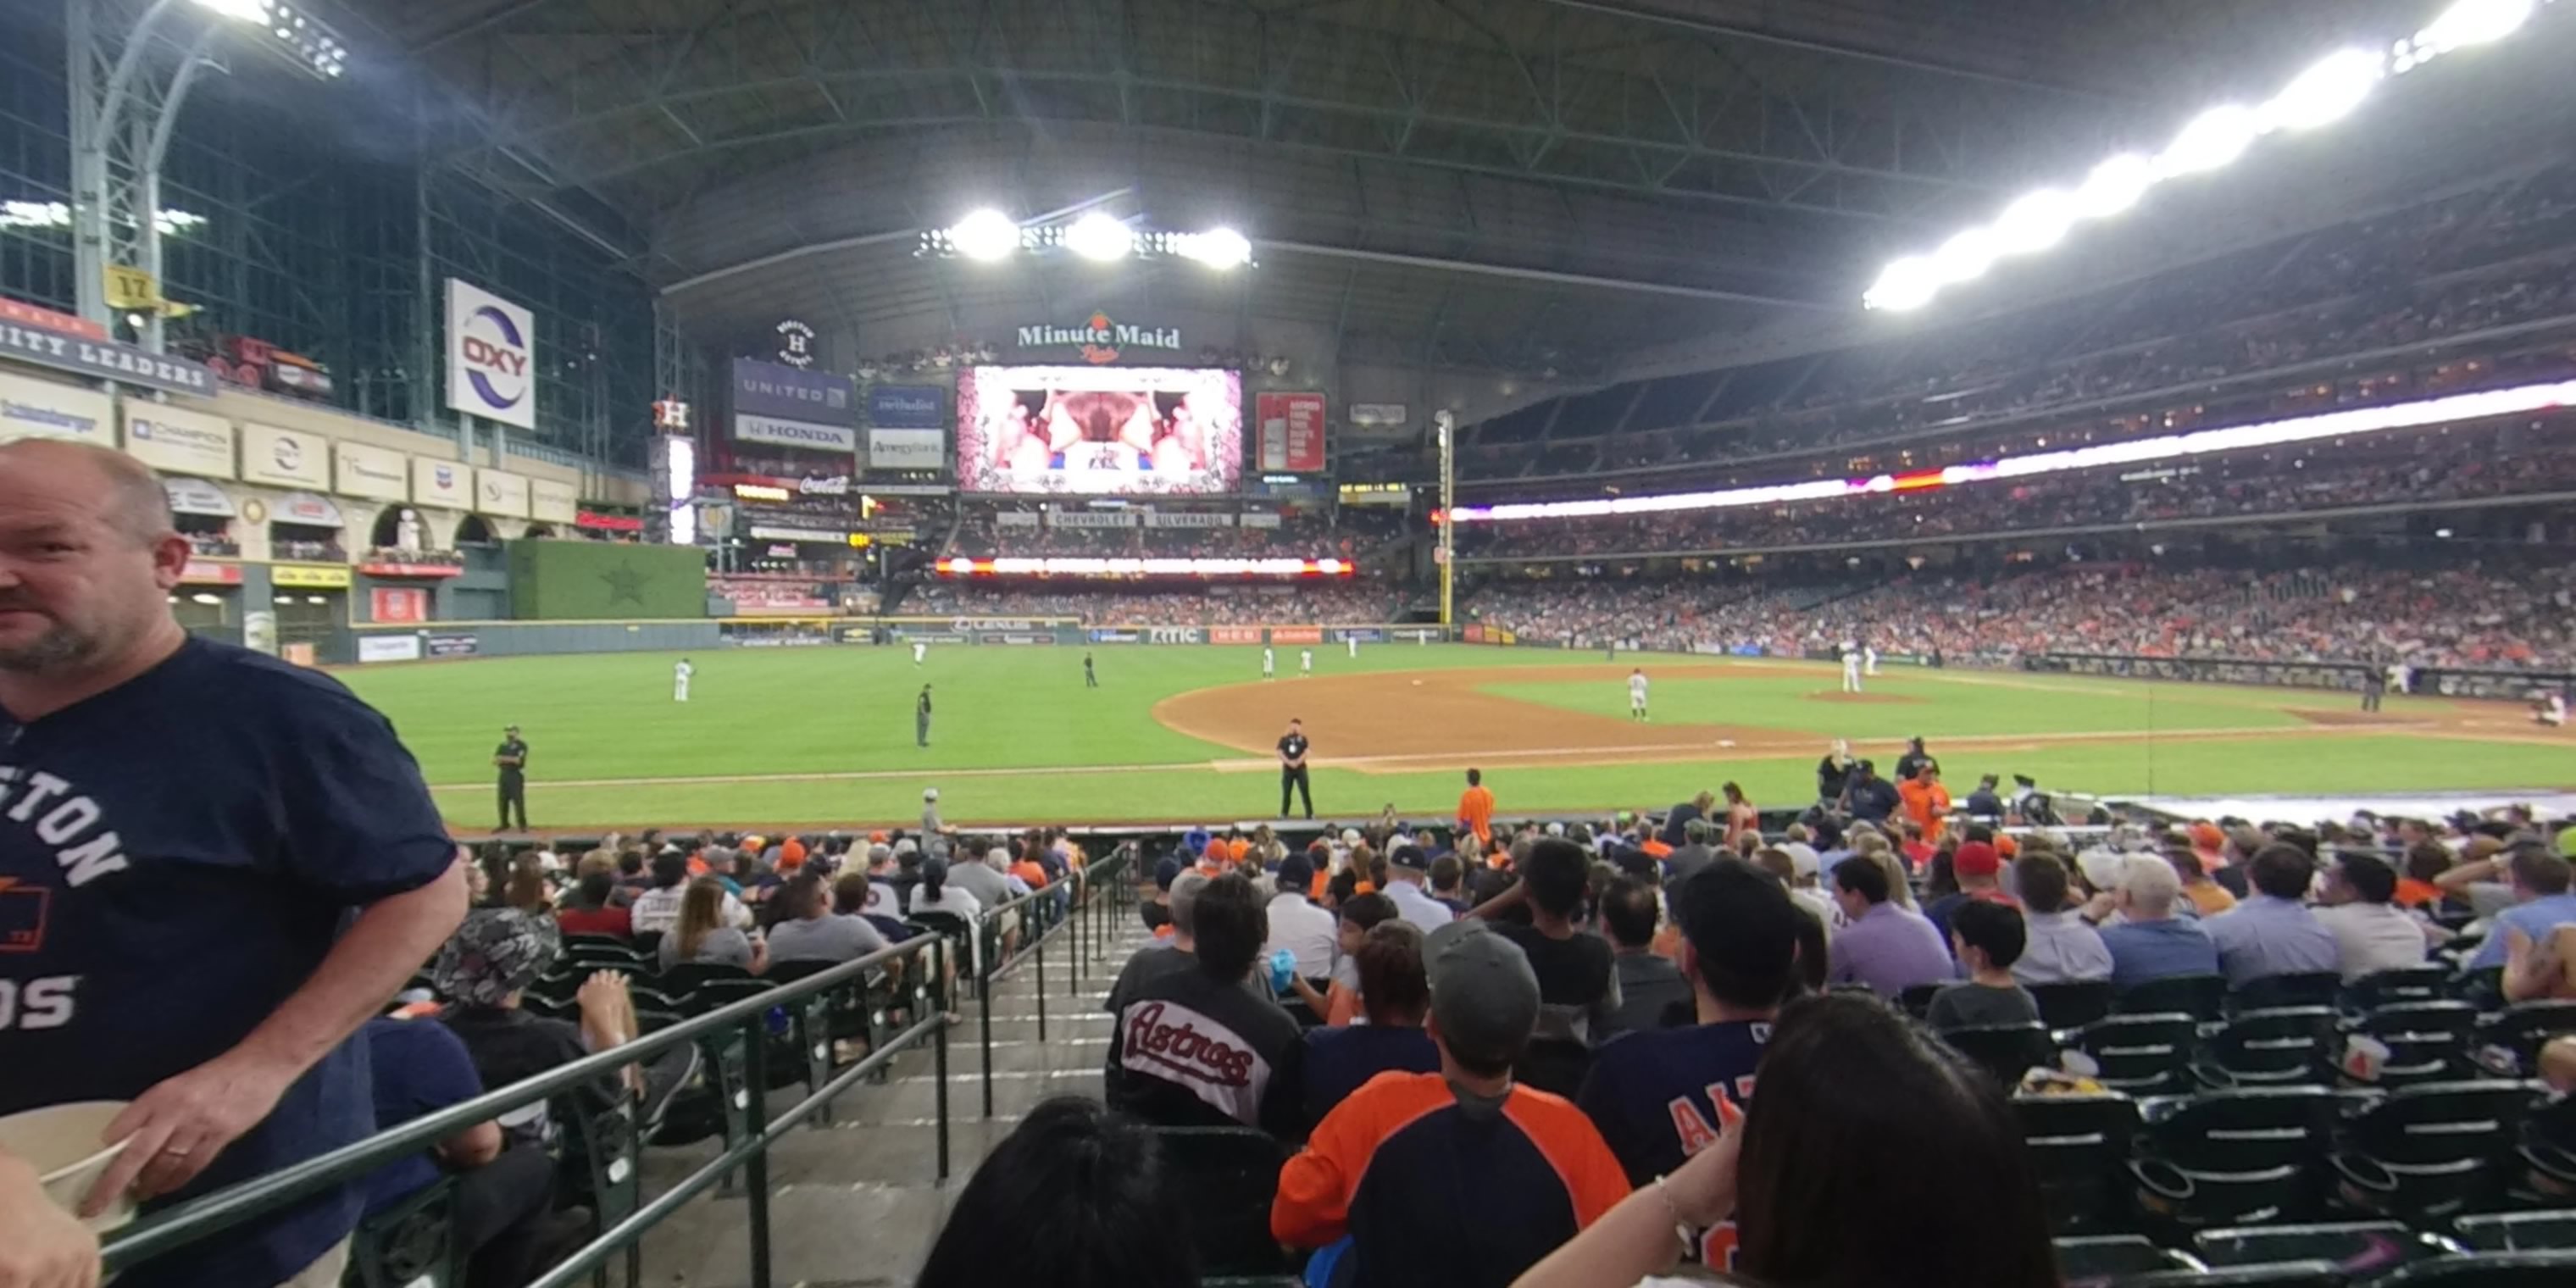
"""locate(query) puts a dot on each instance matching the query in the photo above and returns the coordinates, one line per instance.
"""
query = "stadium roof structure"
(1543, 187)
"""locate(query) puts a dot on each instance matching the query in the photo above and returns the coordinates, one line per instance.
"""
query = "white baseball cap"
(930, 793)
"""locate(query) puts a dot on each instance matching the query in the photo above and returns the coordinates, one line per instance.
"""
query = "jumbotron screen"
(1092, 431)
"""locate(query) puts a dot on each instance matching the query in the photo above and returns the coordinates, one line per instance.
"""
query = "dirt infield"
(1425, 720)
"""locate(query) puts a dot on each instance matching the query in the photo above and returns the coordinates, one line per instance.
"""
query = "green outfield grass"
(824, 735)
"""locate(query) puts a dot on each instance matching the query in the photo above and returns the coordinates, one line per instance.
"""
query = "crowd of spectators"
(2452, 267)
(2497, 614)
(2403, 467)
(1305, 603)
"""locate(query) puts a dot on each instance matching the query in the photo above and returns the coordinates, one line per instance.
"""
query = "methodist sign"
(491, 356)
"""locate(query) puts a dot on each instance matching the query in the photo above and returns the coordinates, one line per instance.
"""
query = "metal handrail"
(203, 1217)
(1102, 880)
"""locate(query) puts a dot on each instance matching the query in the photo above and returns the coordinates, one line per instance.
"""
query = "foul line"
(1609, 755)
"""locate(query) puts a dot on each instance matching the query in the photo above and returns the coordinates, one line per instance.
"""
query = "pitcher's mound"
(1837, 695)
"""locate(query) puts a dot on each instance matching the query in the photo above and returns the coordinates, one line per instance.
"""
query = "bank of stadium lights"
(988, 236)
(300, 36)
(2326, 92)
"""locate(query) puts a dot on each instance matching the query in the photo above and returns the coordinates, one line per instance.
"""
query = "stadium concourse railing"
(738, 1039)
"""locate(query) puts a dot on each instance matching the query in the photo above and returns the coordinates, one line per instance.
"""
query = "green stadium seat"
(2079, 1146)
(2142, 1055)
(411, 1244)
(2517, 1231)
(2268, 1048)
(2361, 1249)
(2202, 997)
(2073, 1004)
(2234, 1156)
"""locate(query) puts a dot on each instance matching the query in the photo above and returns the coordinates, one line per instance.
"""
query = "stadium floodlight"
(2114, 186)
(986, 234)
(2326, 92)
(1965, 256)
(1909, 283)
(2034, 223)
(1098, 236)
(1218, 248)
(238, 10)
(2471, 22)
(2211, 140)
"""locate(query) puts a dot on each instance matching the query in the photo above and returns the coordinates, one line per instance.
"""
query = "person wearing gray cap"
(1466, 1148)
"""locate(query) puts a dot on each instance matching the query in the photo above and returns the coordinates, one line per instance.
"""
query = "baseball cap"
(1350, 836)
(880, 852)
(930, 793)
(906, 846)
(1976, 859)
(1803, 858)
(2207, 838)
(1166, 872)
(1295, 873)
(1484, 996)
(1409, 857)
(1556, 829)
(497, 952)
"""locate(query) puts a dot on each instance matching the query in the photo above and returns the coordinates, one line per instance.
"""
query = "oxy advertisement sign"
(181, 442)
(491, 356)
(42, 409)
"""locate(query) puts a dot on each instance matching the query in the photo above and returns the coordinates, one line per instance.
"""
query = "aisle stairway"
(854, 1202)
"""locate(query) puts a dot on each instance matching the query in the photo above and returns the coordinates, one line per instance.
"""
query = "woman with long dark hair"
(1829, 1173)
(1075, 1197)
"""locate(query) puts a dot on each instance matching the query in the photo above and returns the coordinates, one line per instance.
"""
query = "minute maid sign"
(1101, 340)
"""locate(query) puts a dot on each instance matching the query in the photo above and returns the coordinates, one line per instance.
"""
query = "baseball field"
(824, 736)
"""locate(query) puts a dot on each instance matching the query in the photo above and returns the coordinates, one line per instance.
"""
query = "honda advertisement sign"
(491, 356)
(748, 428)
(789, 393)
(907, 406)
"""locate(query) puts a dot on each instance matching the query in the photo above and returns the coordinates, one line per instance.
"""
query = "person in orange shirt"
(791, 854)
(1026, 867)
(1476, 808)
(1924, 799)
(1466, 1148)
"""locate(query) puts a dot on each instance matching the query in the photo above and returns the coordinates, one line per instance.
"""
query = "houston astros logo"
(496, 357)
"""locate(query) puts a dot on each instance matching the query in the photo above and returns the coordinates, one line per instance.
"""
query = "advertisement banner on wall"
(308, 577)
(795, 433)
(552, 502)
(285, 457)
(376, 473)
(388, 648)
(1175, 635)
(1418, 634)
(907, 449)
(197, 496)
(1016, 637)
(1296, 634)
(1234, 635)
(907, 406)
(444, 484)
(180, 442)
(1117, 636)
(452, 643)
(104, 360)
(500, 492)
(43, 409)
(769, 389)
(1358, 634)
(491, 356)
(405, 605)
(1291, 439)
(856, 635)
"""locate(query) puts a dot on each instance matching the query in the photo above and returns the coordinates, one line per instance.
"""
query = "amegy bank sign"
(1101, 339)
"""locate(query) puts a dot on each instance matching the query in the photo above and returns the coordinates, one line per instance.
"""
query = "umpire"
(511, 758)
(1292, 770)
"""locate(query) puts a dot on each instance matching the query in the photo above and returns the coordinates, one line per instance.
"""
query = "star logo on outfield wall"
(625, 585)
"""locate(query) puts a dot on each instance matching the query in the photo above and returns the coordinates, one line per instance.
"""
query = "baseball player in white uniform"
(1305, 662)
(680, 673)
(1354, 642)
(1637, 695)
(920, 650)
(1269, 665)
(1851, 667)
(1869, 659)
